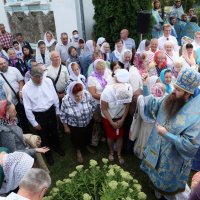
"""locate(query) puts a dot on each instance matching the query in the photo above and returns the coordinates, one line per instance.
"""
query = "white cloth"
(49, 44)
(179, 196)
(109, 95)
(195, 45)
(63, 78)
(171, 59)
(39, 98)
(163, 39)
(141, 47)
(94, 82)
(15, 166)
(129, 43)
(13, 196)
(135, 78)
(73, 76)
(186, 64)
(13, 76)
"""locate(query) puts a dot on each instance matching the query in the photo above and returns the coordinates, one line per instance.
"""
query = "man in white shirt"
(42, 105)
(166, 37)
(58, 73)
(33, 186)
(13, 76)
(62, 47)
(129, 42)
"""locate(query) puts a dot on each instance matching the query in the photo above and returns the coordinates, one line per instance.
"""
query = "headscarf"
(190, 60)
(100, 77)
(141, 47)
(123, 93)
(89, 46)
(3, 107)
(152, 81)
(126, 64)
(71, 95)
(162, 78)
(48, 44)
(158, 90)
(116, 51)
(15, 166)
(100, 41)
(164, 64)
(38, 56)
(73, 76)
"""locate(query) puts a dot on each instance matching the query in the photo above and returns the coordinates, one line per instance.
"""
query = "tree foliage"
(112, 16)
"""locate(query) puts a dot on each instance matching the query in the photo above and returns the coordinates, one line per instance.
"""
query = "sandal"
(121, 160)
(111, 157)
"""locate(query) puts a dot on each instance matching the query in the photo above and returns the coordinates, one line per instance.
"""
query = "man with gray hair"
(42, 109)
(33, 186)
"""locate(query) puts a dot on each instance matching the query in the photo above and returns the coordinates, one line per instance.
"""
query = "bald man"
(58, 73)
(129, 42)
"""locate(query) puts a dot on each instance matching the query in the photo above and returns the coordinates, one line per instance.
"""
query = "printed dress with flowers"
(167, 160)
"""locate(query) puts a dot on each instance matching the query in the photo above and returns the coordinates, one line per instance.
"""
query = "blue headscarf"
(162, 78)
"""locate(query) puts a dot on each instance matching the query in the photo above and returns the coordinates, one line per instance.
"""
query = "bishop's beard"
(173, 104)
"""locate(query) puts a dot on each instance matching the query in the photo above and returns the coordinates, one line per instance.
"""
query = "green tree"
(111, 16)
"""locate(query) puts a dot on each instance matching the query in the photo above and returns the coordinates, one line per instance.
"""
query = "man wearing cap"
(174, 139)
(42, 105)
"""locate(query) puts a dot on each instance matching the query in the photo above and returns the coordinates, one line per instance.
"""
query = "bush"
(112, 16)
(97, 183)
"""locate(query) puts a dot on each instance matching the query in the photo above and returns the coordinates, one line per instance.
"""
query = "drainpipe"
(82, 19)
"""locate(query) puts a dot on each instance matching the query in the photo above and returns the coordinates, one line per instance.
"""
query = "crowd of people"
(144, 100)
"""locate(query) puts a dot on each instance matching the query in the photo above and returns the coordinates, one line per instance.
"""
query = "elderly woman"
(170, 53)
(125, 59)
(98, 80)
(154, 45)
(115, 101)
(105, 50)
(76, 115)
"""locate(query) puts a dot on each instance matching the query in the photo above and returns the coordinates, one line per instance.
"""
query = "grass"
(65, 165)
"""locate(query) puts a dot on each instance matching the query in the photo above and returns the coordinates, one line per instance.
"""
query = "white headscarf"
(100, 41)
(38, 56)
(141, 47)
(69, 92)
(48, 44)
(117, 53)
(127, 65)
(73, 76)
(15, 166)
(89, 46)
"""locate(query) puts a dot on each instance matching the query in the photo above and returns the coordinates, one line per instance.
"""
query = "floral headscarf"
(164, 63)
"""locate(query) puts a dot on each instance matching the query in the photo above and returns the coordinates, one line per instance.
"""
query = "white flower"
(105, 160)
(72, 174)
(110, 173)
(142, 196)
(124, 184)
(135, 181)
(59, 183)
(55, 190)
(113, 185)
(130, 190)
(93, 163)
(86, 196)
(68, 180)
(138, 187)
(79, 167)
(128, 198)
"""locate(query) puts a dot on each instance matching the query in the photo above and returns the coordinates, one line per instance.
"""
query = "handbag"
(135, 125)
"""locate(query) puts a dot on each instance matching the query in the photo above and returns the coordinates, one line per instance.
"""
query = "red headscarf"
(164, 62)
(3, 107)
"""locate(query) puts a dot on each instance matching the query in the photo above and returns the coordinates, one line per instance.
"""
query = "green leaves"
(97, 183)
(112, 16)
